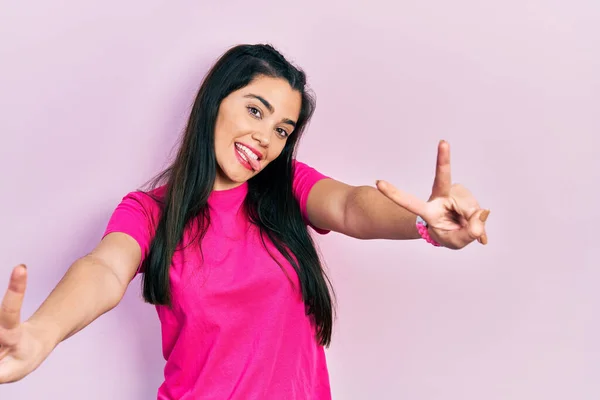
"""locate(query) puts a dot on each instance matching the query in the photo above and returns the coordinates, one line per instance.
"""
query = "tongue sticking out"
(253, 163)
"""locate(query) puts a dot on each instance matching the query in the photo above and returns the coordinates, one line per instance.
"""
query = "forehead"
(278, 92)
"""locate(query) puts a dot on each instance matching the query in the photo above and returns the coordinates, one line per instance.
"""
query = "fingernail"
(484, 239)
(484, 215)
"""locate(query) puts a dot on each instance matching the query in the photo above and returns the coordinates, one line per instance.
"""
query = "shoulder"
(304, 178)
(300, 168)
(149, 202)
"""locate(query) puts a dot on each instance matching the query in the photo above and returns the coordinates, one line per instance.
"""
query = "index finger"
(10, 311)
(403, 199)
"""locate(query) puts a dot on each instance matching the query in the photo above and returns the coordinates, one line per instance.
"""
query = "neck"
(224, 183)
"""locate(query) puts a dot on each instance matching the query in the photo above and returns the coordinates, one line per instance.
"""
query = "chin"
(233, 174)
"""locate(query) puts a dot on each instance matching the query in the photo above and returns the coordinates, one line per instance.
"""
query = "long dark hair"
(270, 202)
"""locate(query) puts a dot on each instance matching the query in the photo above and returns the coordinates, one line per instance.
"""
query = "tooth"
(246, 151)
(250, 153)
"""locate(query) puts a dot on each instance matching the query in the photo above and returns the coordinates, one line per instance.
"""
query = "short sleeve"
(133, 217)
(305, 178)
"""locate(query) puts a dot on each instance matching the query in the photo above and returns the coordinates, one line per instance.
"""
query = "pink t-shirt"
(238, 328)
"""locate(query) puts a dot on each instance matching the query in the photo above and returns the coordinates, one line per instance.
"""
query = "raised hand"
(20, 351)
(452, 213)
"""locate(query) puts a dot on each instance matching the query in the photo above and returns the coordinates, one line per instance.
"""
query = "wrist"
(433, 235)
(45, 332)
(425, 232)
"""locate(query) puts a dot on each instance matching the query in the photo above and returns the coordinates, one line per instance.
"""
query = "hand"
(20, 351)
(452, 213)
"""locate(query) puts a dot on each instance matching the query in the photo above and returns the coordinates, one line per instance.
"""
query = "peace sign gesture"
(453, 215)
(20, 351)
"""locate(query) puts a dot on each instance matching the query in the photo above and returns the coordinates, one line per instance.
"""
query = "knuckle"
(5, 308)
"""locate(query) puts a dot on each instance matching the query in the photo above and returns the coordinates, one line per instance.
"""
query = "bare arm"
(93, 285)
(452, 213)
(362, 212)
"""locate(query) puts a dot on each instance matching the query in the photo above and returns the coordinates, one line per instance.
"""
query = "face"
(252, 127)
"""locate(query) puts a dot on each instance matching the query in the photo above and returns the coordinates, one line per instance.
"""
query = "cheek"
(228, 126)
(223, 132)
(276, 149)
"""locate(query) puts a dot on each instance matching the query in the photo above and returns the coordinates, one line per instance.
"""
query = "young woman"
(222, 241)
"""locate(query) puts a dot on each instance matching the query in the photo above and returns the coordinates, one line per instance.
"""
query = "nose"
(263, 138)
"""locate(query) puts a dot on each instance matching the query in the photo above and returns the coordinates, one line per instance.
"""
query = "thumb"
(477, 226)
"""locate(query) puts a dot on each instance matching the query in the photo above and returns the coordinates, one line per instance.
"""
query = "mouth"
(248, 157)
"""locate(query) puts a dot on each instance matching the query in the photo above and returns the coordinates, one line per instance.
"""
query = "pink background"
(94, 95)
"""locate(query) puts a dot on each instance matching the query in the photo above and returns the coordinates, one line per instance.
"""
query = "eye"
(255, 112)
(282, 133)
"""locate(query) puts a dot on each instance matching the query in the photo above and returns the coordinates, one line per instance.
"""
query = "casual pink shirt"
(238, 328)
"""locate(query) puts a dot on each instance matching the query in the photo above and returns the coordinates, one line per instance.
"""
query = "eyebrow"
(270, 107)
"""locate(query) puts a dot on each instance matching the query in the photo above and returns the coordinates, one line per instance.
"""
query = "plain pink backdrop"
(93, 96)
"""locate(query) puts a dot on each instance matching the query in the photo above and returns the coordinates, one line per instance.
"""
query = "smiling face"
(252, 127)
